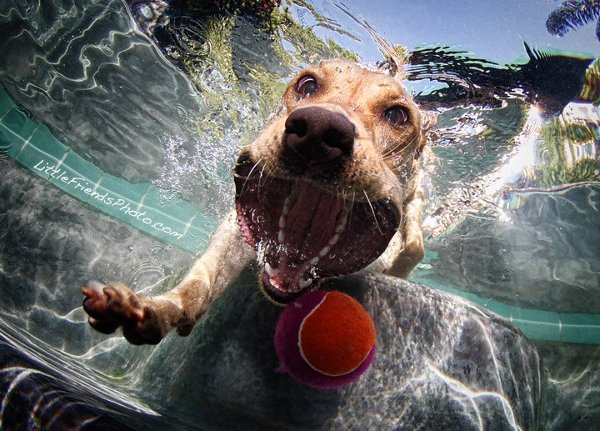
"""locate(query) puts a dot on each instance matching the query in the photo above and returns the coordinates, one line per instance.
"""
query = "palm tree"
(572, 14)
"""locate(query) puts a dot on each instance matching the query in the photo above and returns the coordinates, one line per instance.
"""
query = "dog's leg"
(413, 248)
(146, 320)
(406, 248)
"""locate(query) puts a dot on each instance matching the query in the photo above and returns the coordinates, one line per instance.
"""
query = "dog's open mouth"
(302, 232)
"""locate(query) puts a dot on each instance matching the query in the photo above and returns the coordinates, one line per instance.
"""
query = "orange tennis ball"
(325, 339)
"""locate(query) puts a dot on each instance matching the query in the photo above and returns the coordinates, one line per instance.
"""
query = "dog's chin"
(279, 296)
(303, 233)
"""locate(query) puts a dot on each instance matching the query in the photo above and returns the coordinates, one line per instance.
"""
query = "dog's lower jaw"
(280, 298)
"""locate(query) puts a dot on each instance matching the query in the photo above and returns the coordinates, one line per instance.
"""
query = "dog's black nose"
(317, 140)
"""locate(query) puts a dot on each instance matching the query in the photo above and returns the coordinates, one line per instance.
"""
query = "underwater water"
(146, 102)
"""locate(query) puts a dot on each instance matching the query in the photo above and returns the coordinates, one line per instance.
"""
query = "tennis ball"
(325, 339)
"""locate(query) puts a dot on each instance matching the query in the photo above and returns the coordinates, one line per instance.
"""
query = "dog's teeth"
(314, 261)
(270, 270)
(342, 222)
(304, 283)
(286, 206)
(274, 283)
(283, 219)
(324, 251)
(334, 239)
(260, 251)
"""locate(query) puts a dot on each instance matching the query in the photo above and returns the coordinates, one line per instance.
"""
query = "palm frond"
(572, 14)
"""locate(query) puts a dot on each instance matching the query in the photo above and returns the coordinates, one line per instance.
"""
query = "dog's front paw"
(115, 305)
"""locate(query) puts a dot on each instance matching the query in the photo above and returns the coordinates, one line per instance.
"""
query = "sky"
(494, 30)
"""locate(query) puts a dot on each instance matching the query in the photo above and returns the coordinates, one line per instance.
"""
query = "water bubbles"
(106, 48)
(173, 52)
(149, 14)
(196, 170)
(158, 253)
(257, 217)
(145, 11)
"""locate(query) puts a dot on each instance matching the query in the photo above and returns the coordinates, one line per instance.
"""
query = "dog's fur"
(372, 179)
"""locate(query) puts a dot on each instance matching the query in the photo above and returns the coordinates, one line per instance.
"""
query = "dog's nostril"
(337, 139)
(297, 127)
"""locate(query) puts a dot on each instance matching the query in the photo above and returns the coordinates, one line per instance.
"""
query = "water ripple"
(67, 61)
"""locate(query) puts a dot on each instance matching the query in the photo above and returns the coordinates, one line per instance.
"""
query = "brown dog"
(330, 186)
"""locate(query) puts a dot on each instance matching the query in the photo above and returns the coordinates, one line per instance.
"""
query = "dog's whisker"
(407, 145)
(267, 182)
(262, 177)
(398, 165)
(343, 194)
(249, 175)
(401, 142)
(403, 153)
(401, 160)
(351, 210)
(406, 160)
(373, 211)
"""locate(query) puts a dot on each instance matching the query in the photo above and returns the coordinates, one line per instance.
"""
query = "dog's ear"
(394, 60)
(428, 121)
(394, 56)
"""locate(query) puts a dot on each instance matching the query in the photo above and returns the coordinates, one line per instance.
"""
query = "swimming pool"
(119, 125)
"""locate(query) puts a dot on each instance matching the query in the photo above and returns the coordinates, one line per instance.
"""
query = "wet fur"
(384, 164)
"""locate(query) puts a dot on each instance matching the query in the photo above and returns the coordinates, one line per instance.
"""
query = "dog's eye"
(307, 86)
(396, 115)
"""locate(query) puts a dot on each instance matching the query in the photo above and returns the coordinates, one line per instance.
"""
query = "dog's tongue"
(310, 223)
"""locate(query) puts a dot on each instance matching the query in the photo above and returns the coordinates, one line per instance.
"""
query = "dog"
(329, 187)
